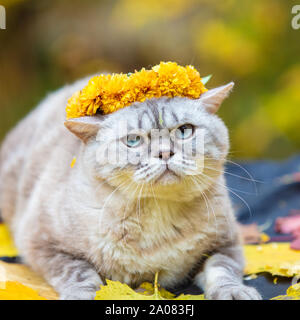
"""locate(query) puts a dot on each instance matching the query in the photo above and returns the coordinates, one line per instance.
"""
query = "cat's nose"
(165, 155)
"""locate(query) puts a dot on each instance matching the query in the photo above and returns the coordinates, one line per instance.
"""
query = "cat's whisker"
(232, 174)
(139, 207)
(155, 198)
(150, 173)
(225, 216)
(245, 170)
(229, 189)
(238, 190)
(109, 179)
(197, 187)
(207, 203)
(126, 208)
(140, 173)
(143, 169)
(188, 171)
(214, 214)
(109, 197)
(238, 165)
(188, 161)
(227, 222)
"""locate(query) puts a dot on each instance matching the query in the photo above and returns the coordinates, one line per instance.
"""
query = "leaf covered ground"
(18, 282)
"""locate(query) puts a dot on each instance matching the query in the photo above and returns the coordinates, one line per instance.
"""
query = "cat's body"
(78, 225)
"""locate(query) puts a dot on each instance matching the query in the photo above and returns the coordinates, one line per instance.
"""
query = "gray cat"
(123, 220)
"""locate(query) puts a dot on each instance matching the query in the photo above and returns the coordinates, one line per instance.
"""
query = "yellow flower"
(109, 93)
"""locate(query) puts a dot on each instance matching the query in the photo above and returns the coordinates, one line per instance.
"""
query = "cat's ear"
(213, 98)
(84, 128)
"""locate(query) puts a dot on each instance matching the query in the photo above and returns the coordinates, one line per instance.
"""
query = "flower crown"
(111, 92)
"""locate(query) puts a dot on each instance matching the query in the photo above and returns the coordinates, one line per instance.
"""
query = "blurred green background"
(50, 43)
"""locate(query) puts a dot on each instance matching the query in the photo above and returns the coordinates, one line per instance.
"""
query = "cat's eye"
(185, 131)
(133, 140)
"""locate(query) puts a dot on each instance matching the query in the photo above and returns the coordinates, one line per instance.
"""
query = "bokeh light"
(50, 43)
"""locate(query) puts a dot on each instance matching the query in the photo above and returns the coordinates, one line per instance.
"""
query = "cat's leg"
(72, 278)
(222, 274)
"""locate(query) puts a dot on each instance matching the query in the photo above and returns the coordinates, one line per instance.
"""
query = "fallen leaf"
(264, 237)
(250, 277)
(115, 290)
(190, 297)
(73, 162)
(11, 272)
(168, 295)
(275, 258)
(292, 293)
(7, 247)
(17, 291)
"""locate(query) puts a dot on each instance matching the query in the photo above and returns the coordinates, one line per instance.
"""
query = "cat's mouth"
(168, 176)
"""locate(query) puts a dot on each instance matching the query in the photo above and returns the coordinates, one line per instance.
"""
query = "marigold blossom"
(108, 93)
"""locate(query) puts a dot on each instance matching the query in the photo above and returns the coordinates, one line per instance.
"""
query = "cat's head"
(170, 147)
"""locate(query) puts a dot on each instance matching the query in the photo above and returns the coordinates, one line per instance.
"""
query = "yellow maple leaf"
(7, 247)
(115, 290)
(17, 273)
(292, 293)
(17, 291)
(276, 258)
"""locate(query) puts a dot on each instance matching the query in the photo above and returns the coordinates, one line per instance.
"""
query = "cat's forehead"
(157, 113)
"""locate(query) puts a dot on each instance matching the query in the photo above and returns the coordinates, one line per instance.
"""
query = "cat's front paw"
(87, 282)
(232, 292)
(77, 294)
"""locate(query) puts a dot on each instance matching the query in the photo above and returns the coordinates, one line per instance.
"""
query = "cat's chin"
(168, 177)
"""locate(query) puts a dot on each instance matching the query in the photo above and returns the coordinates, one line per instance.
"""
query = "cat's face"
(164, 145)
